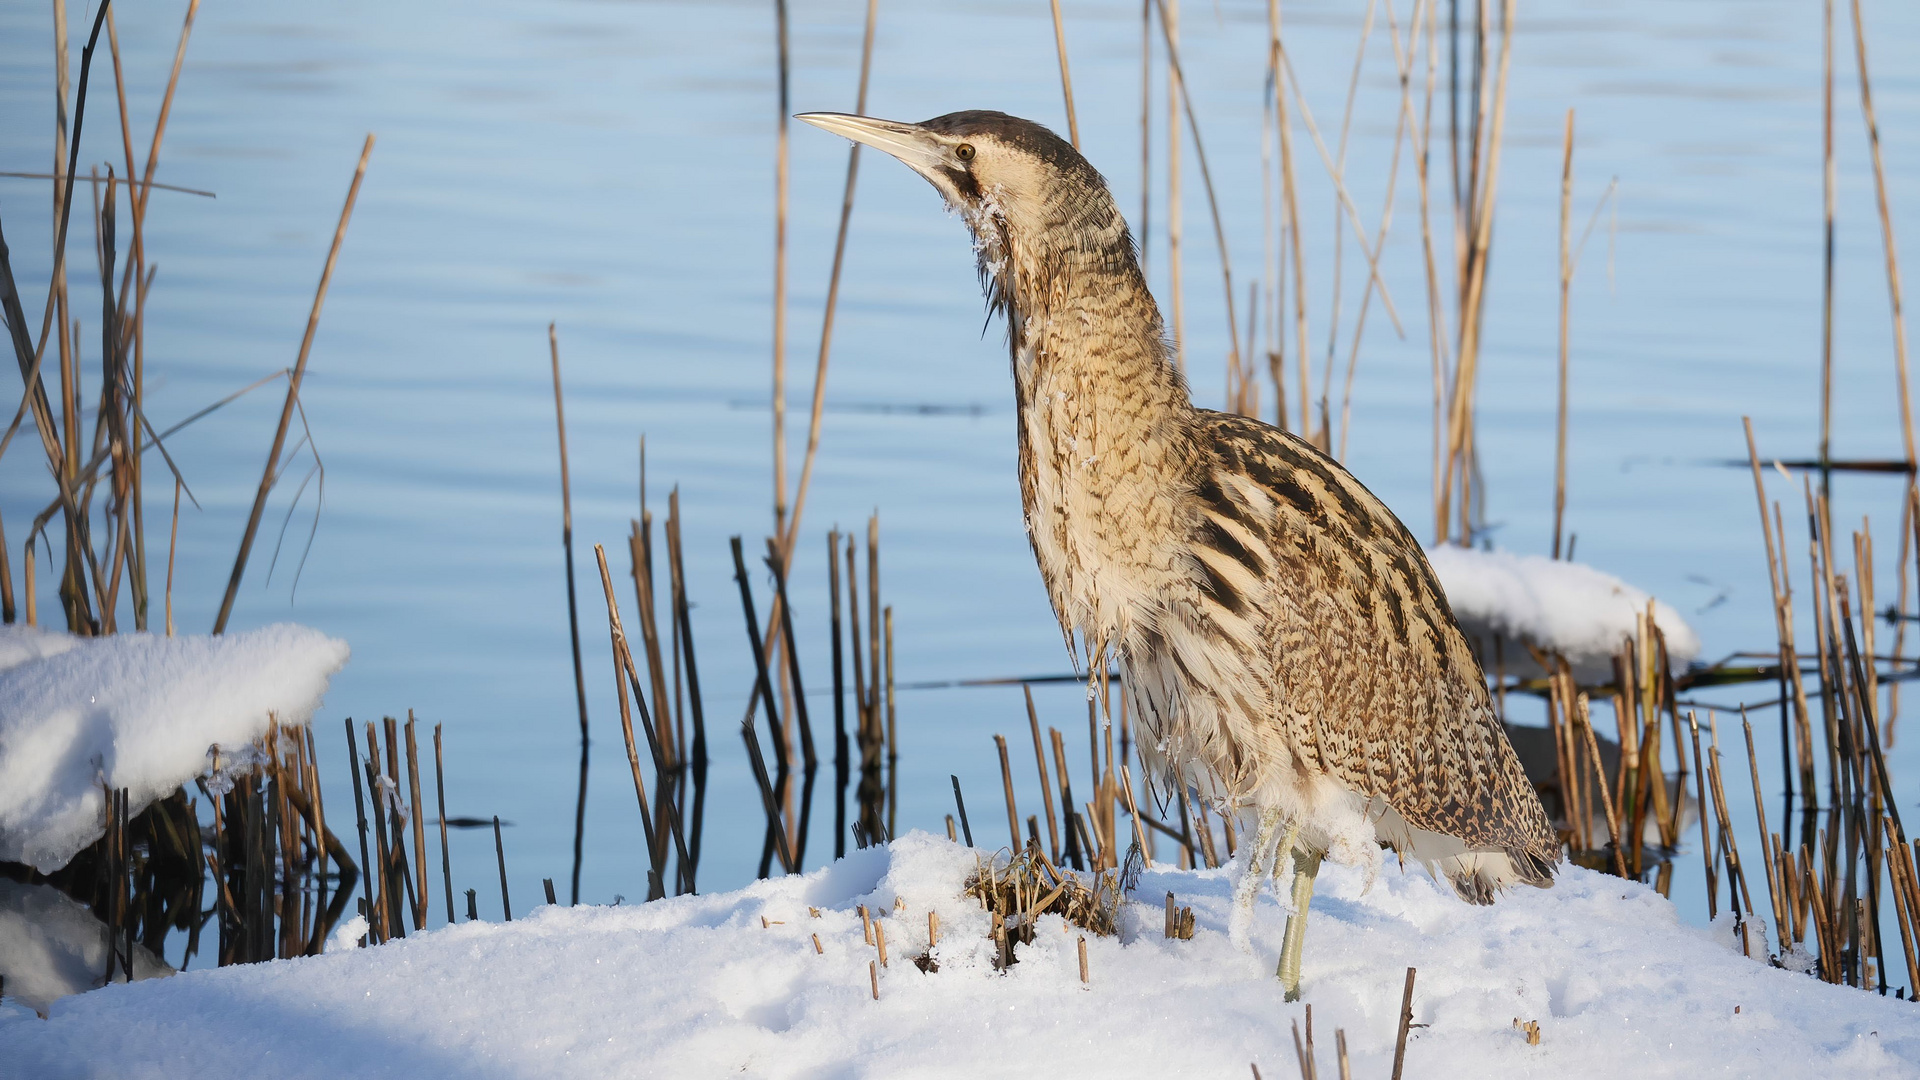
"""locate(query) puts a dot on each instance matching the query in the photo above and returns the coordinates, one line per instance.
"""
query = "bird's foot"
(1246, 891)
(1253, 861)
(1306, 867)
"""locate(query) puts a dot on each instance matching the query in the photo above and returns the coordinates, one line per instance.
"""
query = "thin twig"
(1066, 77)
(1206, 180)
(1406, 1025)
(1886, 237)
(293, 391)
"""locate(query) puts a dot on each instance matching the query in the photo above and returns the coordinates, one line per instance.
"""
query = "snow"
(52, 945)
(1556, 606)
(139, 712)
(701, 986)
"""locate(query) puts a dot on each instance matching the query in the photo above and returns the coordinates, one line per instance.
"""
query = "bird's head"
(1024, 191)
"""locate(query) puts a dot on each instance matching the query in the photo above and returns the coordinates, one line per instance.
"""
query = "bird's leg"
(1306, 865)
(1246, 889)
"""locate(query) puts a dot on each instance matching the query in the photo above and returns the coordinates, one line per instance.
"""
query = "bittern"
(1290, 655)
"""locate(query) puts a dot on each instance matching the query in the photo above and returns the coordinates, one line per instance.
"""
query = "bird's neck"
(1103, 415)
(1080, 320)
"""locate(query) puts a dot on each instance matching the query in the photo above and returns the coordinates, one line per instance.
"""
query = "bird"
(1289, 653)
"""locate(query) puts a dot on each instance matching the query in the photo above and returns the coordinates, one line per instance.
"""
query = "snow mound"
(52, 946)
(702, 986)
(134, 711)
(1566, 607)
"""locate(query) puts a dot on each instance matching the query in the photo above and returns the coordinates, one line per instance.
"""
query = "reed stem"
(271, 472)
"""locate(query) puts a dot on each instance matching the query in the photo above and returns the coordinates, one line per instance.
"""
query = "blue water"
(610, 167)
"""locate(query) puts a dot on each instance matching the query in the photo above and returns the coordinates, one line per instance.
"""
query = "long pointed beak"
(919, 149)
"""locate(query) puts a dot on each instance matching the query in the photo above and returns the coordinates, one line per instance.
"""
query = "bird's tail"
(1477, 874)
(1478, 877)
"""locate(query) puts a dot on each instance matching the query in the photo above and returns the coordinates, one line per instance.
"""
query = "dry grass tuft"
(1020, 890)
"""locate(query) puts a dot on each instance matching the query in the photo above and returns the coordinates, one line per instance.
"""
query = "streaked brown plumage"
(1288, 648)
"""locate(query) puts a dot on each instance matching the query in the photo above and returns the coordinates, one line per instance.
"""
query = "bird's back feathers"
(1353, 667)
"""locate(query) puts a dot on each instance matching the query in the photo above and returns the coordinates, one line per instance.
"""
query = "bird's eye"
(964, 151)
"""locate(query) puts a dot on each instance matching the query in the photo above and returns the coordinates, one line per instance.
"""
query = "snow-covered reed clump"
(135, 711)
(1555, 606)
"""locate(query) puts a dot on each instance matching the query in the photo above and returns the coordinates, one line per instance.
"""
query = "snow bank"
(137, 712)
(1565, 607)
(700, 986)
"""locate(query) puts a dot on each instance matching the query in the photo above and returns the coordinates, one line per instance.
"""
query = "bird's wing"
(1372, 674)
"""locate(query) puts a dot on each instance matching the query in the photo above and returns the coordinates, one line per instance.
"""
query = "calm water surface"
(609, 166)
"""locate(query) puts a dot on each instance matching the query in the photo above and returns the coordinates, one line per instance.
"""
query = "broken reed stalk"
(780, 183)
(893, 735)
(360, 823)
(1046, 787)
(810, 762)
(1406, 1025)
(440, 796)
(1069, 816)
(617, 636)
(383, 906)
(1006, 778)
(271, 472)
(960, 803)
(1206, 181)
(1066, 77)
(1886, 228)
(1829, 183)
(875, 718)
(869, 756)
(640, 551)
(397, 842)
(1170, 29)
(62, 461)
(777, 834)
(173, 542)
(1473, 243)
(500, 855)
(1585, 722)
(1566, 288)
(1783, 631)
(1900, 873)
(566, 537)
(1143, 225)
(842, 765)
(683, 620)
(1774, 891)
(1739, 895)
(1290, 228)
(419, 827)
(772, 790)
